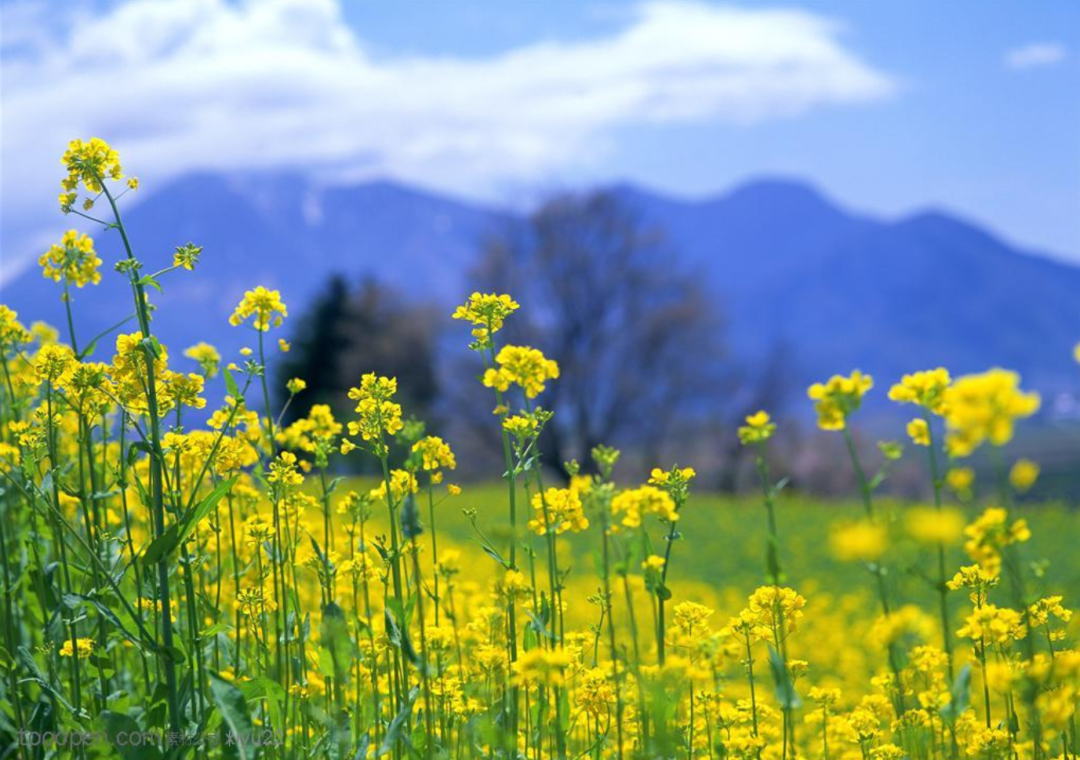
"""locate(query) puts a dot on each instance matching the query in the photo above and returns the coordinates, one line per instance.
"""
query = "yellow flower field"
(174, 589)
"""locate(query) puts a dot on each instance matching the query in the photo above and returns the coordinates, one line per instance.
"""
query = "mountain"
(790, 267)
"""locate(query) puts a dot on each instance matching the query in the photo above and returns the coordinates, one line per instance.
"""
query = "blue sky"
(889, 106)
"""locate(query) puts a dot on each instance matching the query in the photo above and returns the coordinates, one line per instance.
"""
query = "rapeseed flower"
(73, 260)
(522, 366)
(629, 507)
(1023, 474)
(557, 509)
(88, 164)
(83, 648)
(487, 311)
(758, 429)
(836, 399)
(925, 389)
(207, 356)
(265, 305)
(929, 525)
(984, 408)
(863, 540)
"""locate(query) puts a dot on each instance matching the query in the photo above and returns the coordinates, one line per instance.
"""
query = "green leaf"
(398, 634)
(234, 711)
(785, 689)
(395, 731)
(210, 632)
(958, 702)
(230, 384)
(73, 600)
(338, 649)
(362, 750)
(117, 723)
(176, 533)
(491, 552)
(135, 448)
(156, 286)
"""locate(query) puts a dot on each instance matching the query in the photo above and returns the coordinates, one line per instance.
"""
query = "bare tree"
(637, 340)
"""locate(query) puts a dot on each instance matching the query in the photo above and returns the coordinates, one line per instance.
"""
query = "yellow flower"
(993, 624)
(630, 506)
(402, 483)
(283, 470)
(1043, 610)
(377, 413)
(89, 164)
(985, 407)
(862, 540)
(295, 385)
(54, 364)
(1023, 475)
(990, 533)
(823, 696)
(919, 432)
(691, 620)
(925, 389)
(487, 311)
(960, 480)
(975, 579)
(675, 482)
(284, 345)
(521, 426)
(207, 356)
(933, 526)
(435, 453)
(558, 509)
(758, 429)
(653, 562)
(265, 305)
(73, 259)
(542, 666)
(12, 331)
(908, 623)
(778, 609)
(522, 366)
(453, 489)
(83, 648)
(837, 398)
(595, 693)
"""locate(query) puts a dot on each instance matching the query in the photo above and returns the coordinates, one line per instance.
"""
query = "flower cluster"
(758, 429)
(264, 304)
(377, 412)
(72, 260)
(487, 312)
(90, 164)
(836, 399)
(525, 367)
(557, 509)
(985, 407)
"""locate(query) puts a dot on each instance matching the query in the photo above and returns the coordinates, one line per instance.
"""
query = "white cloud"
(179, 85)
(1035, 55)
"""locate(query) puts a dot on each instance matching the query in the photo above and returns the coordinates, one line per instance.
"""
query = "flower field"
(177, 589)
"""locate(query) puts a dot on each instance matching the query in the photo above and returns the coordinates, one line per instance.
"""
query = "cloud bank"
(1035, 55)
(182, 85)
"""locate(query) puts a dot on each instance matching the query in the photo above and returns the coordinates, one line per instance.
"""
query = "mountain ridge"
(790, 265)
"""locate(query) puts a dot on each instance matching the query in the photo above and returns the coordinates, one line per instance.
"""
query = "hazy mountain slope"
(841, 290)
